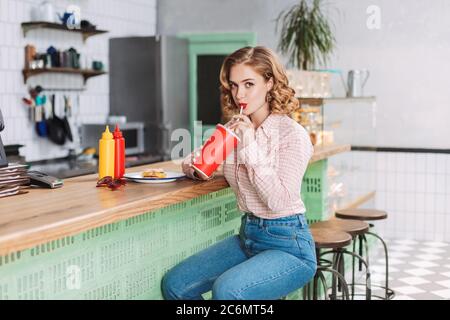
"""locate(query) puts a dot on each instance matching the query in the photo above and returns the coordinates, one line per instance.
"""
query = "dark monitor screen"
(208, 92)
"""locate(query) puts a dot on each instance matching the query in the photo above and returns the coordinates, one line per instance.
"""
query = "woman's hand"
(244, 129)
(187, 166)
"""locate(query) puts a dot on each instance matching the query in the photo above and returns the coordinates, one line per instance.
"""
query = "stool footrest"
(390, 292)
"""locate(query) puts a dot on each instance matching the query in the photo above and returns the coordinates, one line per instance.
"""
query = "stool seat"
(361, 214)
(353, 227)
(328, 238)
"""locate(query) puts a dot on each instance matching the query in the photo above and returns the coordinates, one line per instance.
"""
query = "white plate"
(171, 176)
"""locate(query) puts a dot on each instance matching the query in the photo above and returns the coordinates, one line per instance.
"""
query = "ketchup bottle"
(119, 153)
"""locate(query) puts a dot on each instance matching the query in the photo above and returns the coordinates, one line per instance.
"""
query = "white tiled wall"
(414, 188)
(119, 17)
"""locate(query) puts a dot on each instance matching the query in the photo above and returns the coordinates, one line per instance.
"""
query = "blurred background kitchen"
(117, 71)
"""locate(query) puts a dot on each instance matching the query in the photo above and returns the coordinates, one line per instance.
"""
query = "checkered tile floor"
(417, 270)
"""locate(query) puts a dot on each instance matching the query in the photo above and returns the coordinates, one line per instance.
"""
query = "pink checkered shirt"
(266, 175)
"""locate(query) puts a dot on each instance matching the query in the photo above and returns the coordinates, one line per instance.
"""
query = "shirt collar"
(269, 123)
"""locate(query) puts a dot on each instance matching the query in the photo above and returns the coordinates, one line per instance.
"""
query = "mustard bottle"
(106, 155)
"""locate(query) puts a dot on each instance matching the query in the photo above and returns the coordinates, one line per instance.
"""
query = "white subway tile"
(9, 41)
(447, 184)
(2, 85)
(4, 8)
(431, 162)
(391, 181)
(429, 222)
(400, 182)
(421, 164)
(13, 63)
(4, 58)
(9, 85)
(447, 160)
(400, 199)
(440, 203)
(421, 180)
(410, 204)
(420, 202)
(410, 181)
(440, 183)
(390, 201)
(12, 12)
(430, 203)
(447, 225)
(410, 161)
(441, 163)
(431, 183)
(400, 162)
(21, 15)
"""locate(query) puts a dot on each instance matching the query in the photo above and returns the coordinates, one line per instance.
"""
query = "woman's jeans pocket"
(306, 246)
(282, 232)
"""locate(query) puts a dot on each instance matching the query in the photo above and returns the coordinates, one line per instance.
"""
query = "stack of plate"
(13, 179)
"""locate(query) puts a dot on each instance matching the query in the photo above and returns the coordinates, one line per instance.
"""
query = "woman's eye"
(232, 85)
(248, 84)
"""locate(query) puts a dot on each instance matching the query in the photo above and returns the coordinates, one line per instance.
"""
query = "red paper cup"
(215, 151)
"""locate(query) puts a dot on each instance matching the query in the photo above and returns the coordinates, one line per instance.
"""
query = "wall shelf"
(27, 26)
(27, 73)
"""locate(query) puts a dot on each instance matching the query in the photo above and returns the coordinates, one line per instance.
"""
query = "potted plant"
(306, 34)
(307, 39)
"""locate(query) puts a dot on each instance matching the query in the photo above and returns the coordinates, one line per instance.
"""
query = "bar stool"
(369, 215)
(355, 228)
(327, 239)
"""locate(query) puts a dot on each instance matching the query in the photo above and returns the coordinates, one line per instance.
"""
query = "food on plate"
(154, 173)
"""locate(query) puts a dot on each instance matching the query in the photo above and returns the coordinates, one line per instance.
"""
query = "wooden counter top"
(44, 215)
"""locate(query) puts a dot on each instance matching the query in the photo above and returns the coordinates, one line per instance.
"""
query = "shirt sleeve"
(278, 184)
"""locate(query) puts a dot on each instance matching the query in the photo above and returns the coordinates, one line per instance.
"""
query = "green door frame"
(209, 44)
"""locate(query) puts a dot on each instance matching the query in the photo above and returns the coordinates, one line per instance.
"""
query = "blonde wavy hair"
(264, 61)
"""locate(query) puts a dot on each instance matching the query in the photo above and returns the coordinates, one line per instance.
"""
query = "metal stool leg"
(337, 264)
(341, 278)
(389, 293)
(366, 265)
(319, 277)
(353, 270)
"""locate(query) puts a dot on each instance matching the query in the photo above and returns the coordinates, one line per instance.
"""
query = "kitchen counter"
(44, 215)
(83, 242)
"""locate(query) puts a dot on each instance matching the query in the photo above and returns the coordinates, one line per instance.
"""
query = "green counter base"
(123, 260)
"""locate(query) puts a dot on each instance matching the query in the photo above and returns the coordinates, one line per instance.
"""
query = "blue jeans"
(267, 260)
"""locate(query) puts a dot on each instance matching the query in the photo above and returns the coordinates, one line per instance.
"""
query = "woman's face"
(248, 86)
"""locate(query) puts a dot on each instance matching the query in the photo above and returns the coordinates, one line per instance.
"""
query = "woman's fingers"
(242, 117)
(240, 126)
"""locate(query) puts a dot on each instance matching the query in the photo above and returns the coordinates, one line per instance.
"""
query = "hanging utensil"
(55, 125)
(41, 126)
(67, 112)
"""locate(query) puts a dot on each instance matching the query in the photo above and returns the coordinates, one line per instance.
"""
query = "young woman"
(274, 253)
